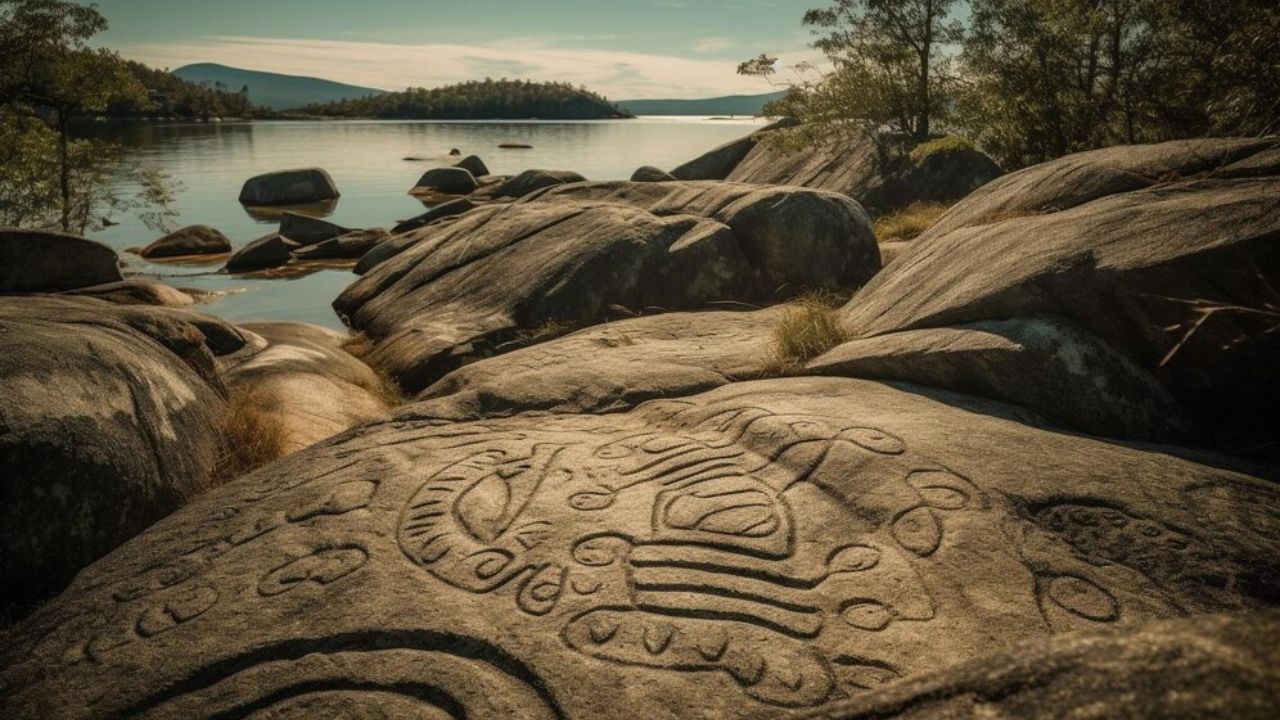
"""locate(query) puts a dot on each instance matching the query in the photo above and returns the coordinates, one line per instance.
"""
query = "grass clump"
(547, 330)
(940, 146)
(251, 437)
(810, 327)
(358, 345)
(908, 222)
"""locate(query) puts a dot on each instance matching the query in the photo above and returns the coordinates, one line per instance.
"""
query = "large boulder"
(308, 230)
(1178, 276)
(797, 239)
(763, 547)
(139, 290)
(269, 251)
(302, 381)
(1044, 364)
(1187, 669)
(190, 240)
(609, 367)
(649, 173)
(38, 261)
(460, 291)
(109, 420)
(531, 181)
(289, 187)
(448, 181)
(716, 164)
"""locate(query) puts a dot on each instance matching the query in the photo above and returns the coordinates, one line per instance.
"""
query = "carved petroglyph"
(322, 567)
(696, 563)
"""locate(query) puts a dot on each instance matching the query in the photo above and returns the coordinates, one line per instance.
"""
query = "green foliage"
(939, 146)
(1051, 77)
(168, 95)
(479, 100)
(48, 76)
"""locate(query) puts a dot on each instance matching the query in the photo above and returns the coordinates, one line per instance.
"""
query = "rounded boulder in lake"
(38, 261)
(190, 240)
(289, 187)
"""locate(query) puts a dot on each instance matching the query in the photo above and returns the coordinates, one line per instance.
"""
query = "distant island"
(727, 105)
(273, 90)
(486, 99)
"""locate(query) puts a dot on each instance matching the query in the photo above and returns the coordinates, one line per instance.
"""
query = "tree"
(889, 66)
(49, 76)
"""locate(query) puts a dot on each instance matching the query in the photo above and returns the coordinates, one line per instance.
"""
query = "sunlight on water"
(366, 160)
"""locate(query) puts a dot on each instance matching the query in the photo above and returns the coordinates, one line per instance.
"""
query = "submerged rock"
(760, 548)
(289, 187)
(308, 230)
(190, 240)
(109, 420)
(39, 261)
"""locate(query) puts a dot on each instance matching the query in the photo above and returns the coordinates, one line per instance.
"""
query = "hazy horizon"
(625, 50)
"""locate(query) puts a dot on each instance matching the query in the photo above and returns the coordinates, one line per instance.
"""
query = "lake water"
(366, 160)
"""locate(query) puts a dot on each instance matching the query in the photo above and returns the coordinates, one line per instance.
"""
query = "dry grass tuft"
(810, 327)
(358, 345)
(908, 222)
(251, 438)
(548, 330)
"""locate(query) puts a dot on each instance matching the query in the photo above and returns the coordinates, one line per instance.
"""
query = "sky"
(625, 49)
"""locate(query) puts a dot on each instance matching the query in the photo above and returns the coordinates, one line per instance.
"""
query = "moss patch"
(940, 146)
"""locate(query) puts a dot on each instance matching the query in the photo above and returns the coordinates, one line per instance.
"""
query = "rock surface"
(38, 261)
(531, 181)
(351, 245)
(268, 251)
(474, 165)
(1044, 364)
(763, 547)
(439, 212)
(307, 230)
(139, 291)
(108, 421)
(649, 173)
(304, 382)
(1187, 669)
(448, 181)
(1176, 276)
(454, 294)
(289, 187)
(608, 367)
(190, 240)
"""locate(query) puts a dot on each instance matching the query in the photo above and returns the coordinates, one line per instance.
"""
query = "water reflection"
(367, 162)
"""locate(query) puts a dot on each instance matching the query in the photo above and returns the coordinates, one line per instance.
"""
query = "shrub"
(908, 222)
(939, 146)
(810, 327)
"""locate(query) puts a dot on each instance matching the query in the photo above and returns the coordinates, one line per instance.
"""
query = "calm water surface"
(366, 160)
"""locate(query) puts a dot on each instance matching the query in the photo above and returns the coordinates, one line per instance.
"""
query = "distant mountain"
(728, 105)
(273, 90)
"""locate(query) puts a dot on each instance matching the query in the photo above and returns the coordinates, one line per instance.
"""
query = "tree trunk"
(64, 170)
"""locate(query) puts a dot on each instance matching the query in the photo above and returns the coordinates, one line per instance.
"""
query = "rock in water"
(108, 421)
(190, 240)
(38, 261)
(307, 230)
(448, 181)
(763, 547)
(474, 165)
(289, 187)
(648, 173)
(456, 293)
(1175, 274)
(266, 252)
(531, 181)
(350, 246)
(1186, 669)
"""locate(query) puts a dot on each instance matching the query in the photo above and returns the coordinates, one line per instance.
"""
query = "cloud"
(618, 74)
(713, 45)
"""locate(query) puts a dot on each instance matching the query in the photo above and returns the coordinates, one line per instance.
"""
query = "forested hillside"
(480, 100)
